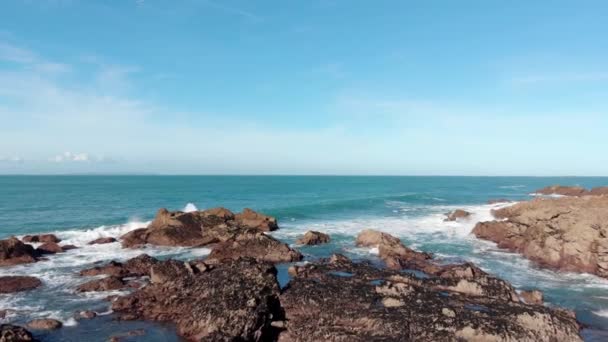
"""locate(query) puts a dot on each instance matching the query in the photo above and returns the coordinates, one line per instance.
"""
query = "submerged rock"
(313, 238)
(10, 284)
(235, 301)
(44, 324)
(392, 251)
(14, 252)
(568, 233)
(41, 238)
(457, 215)
(14, 333)
(372, 304)
(102, 240)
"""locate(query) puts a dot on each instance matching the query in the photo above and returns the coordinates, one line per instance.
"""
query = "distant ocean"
(81, 208)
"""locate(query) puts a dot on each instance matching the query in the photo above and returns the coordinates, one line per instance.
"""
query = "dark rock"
(13, 333)
(254, 244)
(42, 238)
(44, 324)
(14, 252)
(313, 238)
(235, 301)
(104, 284)
(457, 215)
(102, 240)
(168, 271)
(49, 248)
(88, 314)
(135, 267)
(10, 284)
(383, 305)
(68, 247)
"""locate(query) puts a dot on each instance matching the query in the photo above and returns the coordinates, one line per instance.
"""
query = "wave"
(190, 207)
(512, 187)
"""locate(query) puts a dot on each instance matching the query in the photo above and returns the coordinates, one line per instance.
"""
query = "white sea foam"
(190, 207)
(602, 313)
(512, 186)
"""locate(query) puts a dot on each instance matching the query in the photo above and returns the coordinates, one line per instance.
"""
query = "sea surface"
(81, 208)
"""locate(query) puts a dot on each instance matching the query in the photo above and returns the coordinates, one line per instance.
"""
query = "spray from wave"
(190, 207)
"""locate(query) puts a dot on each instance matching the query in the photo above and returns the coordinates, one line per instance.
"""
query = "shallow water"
(81, 208)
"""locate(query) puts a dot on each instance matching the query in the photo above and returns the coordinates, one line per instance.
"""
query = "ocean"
(79, 209)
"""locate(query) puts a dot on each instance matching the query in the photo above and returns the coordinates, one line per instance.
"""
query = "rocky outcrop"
(104, 284)
(568, 233)
(234, 301)
(198, 228)
(44, 324)
(457, 214)
(49, 248)
(102, 240)
(135, 267)
(14, 252)
(10, 284)
(392, 251)
(599, 191)
(253, 244)
(572, 191)
(338, 300)
(312, 237)
(42, 238)
(14, 333)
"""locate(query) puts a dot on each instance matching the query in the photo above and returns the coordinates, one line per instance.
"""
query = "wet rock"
(568, 233)
(254, 220)
(68, 247)
(168, 271)
(44, 324)
(41, 238)
(102, 240)
(14, 333)
(88, 314)
(253, 244)
(10, 284)
(49, 248)
(532, 297)
(104, 284)
(14, 252)
(562, 190)
(392, 251)
(384, 305)
(313, 238)
(457, 214)
(236, 300)
(135, 267)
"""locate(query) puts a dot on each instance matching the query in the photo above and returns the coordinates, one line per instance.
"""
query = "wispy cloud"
(22, 56)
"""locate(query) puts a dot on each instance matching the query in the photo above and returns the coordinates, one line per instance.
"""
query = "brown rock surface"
(312, 237)
(562, 190)
(235, 301)
(392, 251)
(135, 267)
(532, 297)
(568, 233)
(10, 284)
(104, 284)
(44, 324)
(599, 191)
(49, 248)
(343, 301)
(14, 252)
(41, 238)
(457, 215)
(13, 333)
(251, 219)
(253, 244)
(102, 240)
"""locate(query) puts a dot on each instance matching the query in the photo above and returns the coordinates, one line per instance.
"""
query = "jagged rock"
(392, 251)
(104, 284)
(237, 300)
(49, 248)
(44, 324)
(13, 252)
(253, 244)
(254, 220)
(168, 271)
(313, 238)
(10, 284)
(102, 240)
(568, 233)
(532, 297)
(346, 301)
(457, 215)
(135, 267)
(562, 190)
(41, 238)
(13, 333)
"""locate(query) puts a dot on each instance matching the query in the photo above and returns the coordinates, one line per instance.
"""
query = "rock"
(41, 238)
(599, 191)
(313, 238)
(135, 267)
(383, 305)
(44, 324)
(235, 301)
(392, 251)
(104, 284)
(14, 252)
(168, 271)
(567, 233)
(251, 219)
(68, 247)
(532, 297)
(253, 244)
(102, 240)
(3, 314)
(10, 284)
(562, 190)
(13, 333)
(457, 215)
(500, 200)
(49, 248)
(88, 314)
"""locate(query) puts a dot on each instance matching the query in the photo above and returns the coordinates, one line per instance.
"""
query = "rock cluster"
(14, 252)
(312, 237)
(42, 238)
(567, 233)
(572, 191)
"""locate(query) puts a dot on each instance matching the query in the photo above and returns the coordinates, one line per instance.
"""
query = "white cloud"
(71, 157)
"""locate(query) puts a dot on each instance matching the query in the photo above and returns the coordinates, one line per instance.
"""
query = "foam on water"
(190, 207)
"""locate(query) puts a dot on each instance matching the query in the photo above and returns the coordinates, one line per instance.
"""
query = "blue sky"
(304, 87)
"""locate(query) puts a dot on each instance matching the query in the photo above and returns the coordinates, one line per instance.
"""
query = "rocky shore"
(233, 294)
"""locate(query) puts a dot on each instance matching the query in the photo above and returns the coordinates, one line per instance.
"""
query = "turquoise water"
(81, 208)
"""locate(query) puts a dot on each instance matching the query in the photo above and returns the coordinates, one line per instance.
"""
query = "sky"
(344, 87)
